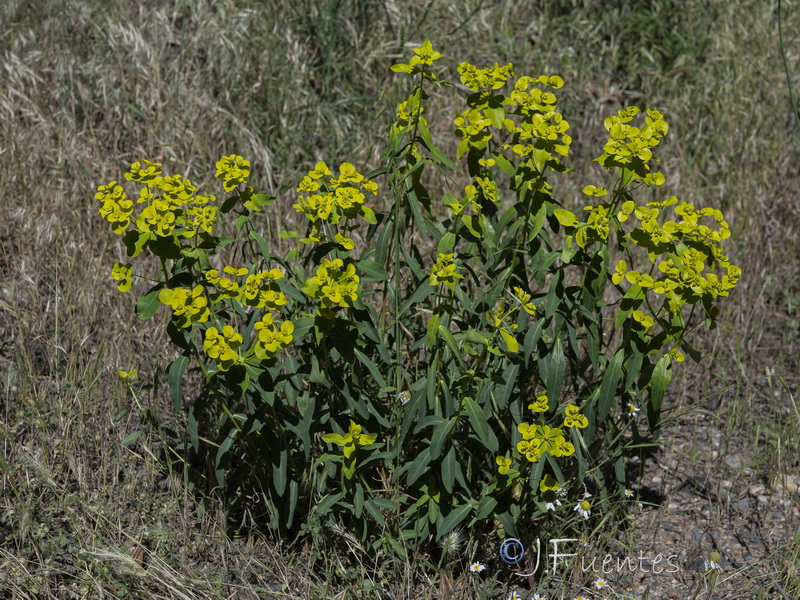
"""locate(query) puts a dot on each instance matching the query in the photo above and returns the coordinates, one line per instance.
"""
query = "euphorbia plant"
(498, 355)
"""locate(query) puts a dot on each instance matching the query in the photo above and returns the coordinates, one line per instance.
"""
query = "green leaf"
(480, 425)
(433, 332)
(608, 388)
(135, 241)
(440, 435)
(449, 470)
(327, 503)
(532, 338)
(373, 269)
(165, 247)
(447, 336)
(453, 519)
(371, 367)
(553, 373)
(358, 501)
(222, 459)
(174, 375)
(474, 225)
(447, 243)
(132, 438)
(662, 373)
(279, 469)
(475, 337)
(375, 512)
(495, 115)
(147, 305)
(419, 467)
(486, 507)
(262, 244)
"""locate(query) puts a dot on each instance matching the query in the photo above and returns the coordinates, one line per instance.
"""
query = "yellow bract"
(503, 464)
(222, 347)
(122, 273)
(445, 271)
(574, 418)
(232, 170)
(351, 440)
(538, 439)
(541, 405)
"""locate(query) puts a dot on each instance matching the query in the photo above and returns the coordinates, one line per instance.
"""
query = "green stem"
(795, 112)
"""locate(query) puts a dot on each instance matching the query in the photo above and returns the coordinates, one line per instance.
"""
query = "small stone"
(756, 490)
(733, 462)
(762, 499)
(792, 483)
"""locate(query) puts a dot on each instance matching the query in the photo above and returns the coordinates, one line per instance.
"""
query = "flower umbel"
(445, 271)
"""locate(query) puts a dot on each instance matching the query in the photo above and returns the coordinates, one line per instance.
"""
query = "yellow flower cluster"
(116, 208)
(222, 347)
(189, 306)
(260, 289)
(684, 277)
(232, 170)
(541, 404)
(272, 337)
(408, 113)
(165, 212)
(542, 126)
(574, 418)
(423, 57)
(122, 273)
(632, 147)
(524, 299)
(335, 286)
(143, 173)
(503, 464)
(330, 199)
(538, 439)
(445, 271)
(171, 206)
(492, 78)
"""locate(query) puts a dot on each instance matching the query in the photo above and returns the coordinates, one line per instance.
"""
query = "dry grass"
(88, 86)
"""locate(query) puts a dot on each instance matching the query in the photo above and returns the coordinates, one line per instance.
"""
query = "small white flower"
(712, 562)
(628, 493)
(514, 596)
(538, 597)
(404, 397)
(552, 505)
(477, 567)
(633, 410)
(600, 583)
(584, 509)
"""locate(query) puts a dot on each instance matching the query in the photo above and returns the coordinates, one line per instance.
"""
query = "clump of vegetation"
(473, 361)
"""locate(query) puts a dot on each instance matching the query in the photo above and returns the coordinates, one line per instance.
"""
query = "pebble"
(733, 462)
